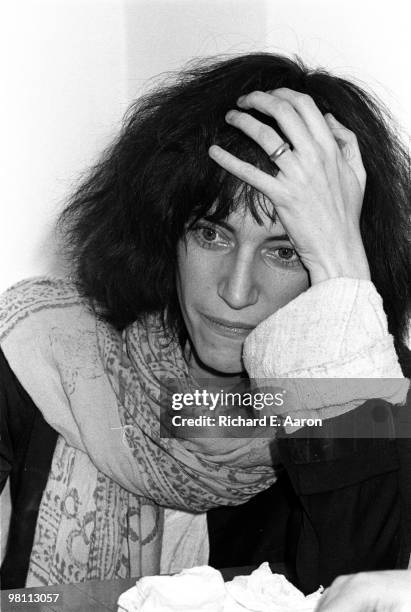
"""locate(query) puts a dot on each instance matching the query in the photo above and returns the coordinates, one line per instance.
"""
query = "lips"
(228, 328)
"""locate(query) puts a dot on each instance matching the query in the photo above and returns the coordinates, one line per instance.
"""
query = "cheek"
(284, 289)
(195, 275)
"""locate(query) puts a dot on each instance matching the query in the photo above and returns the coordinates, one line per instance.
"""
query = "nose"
(238, 283)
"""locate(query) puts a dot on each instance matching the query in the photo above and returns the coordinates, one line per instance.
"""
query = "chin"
(223, 364)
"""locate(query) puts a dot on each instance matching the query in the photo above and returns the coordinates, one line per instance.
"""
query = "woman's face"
(232, 275)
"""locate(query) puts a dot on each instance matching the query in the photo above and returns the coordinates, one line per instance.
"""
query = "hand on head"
(319, 189)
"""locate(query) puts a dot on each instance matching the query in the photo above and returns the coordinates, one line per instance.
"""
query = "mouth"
(232, 329)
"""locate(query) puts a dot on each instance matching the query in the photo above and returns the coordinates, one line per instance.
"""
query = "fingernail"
(230, 115)
(240, 99)
(214, 149)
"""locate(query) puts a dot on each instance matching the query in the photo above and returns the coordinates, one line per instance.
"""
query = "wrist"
(352, 264)
(320, 275)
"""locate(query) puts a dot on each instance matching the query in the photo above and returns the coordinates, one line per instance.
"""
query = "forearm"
(335, 330)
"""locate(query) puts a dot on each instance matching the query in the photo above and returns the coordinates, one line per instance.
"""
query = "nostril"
(238, 294)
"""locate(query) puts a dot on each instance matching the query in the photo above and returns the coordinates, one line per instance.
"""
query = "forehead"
(245, 210)
(242, 222)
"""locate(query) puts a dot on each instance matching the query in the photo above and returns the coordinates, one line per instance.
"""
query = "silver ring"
(279, 151)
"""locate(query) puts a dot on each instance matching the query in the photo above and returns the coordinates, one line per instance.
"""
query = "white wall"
(365, 39)
(163, 34)
(65, 67)
(72, 66)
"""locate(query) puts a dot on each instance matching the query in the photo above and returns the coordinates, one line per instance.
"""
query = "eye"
(209, 236)
(284, 255)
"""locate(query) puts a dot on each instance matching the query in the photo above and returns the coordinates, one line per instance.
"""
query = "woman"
(219, 235)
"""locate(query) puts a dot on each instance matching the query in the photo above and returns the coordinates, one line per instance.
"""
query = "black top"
(27, 445)
(339, 505)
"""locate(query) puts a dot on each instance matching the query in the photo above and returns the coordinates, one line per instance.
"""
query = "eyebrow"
(228, 227)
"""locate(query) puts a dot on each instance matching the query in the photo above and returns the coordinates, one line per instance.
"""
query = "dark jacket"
(339, 506)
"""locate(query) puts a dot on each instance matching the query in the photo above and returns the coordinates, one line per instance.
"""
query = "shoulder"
(39, 289)
(33, 296)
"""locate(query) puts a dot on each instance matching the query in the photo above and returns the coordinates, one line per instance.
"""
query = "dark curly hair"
(122, 225)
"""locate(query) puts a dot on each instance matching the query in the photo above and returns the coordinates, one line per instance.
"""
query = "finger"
(341, 604)
(338, 600)
(347, 594)
(246, 172)
(311, 114)
(345, 602)
(262, 134)
(348, 145)
(291, 124)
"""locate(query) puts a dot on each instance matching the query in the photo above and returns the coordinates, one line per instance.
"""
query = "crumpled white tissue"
(202, 589)
(199, 589)
(264, 591)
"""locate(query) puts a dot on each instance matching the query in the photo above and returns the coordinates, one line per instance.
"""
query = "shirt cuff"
(335, 329)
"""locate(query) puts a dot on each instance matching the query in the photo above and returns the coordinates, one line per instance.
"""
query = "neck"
(199, 371)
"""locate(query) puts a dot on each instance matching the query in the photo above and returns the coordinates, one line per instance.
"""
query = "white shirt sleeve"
(335, 329)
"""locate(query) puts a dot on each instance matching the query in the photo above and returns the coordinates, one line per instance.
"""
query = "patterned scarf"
(120, 500)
